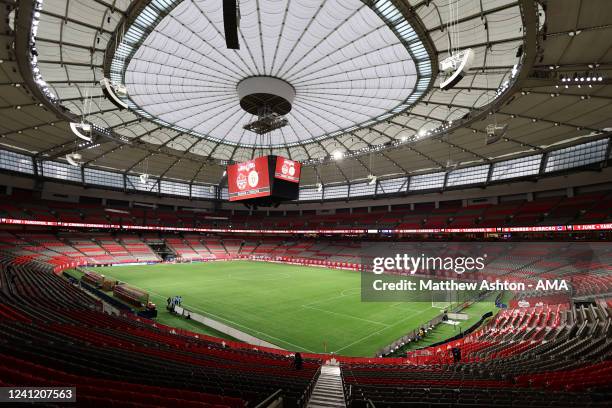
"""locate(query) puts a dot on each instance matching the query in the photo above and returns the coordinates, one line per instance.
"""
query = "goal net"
(441, 300)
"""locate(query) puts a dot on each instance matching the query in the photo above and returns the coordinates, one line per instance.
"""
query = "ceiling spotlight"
(144, 178)
(338, 155)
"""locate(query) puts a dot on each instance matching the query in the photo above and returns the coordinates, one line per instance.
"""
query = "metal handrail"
(274, 396)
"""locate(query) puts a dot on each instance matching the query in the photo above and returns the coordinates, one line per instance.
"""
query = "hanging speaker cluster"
(74, 159)
(456, 67)
(82, 130)
(495, 132)
(231, 22)
(114, 93)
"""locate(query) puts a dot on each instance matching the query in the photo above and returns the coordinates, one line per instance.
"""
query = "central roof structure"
(344, 61)
(57, 51)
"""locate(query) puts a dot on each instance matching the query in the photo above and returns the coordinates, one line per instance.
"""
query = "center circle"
(260, 92)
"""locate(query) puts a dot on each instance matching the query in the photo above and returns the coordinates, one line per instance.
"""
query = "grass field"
(294, 307)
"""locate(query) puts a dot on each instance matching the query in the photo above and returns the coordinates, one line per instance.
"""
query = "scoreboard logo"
(241, 181)
(253, 179)
(288, 168)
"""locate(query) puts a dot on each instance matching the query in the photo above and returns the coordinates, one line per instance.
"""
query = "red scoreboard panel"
(250, 179)
(287, 170)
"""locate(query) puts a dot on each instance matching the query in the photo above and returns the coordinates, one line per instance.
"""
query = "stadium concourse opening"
(305, 203)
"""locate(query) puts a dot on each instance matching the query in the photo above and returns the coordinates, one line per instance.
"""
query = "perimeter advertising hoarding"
(250, 179)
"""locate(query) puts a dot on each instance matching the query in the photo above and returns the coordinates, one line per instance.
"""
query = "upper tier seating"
(581, 209)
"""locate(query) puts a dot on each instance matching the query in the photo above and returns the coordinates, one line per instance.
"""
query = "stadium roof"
(365, 75)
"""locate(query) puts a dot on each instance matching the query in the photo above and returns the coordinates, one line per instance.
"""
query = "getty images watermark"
(446, 272)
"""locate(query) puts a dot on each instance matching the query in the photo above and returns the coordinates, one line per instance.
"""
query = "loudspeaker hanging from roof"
(231, 22)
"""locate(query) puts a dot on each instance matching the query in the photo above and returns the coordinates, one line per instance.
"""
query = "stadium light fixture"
(338, 155)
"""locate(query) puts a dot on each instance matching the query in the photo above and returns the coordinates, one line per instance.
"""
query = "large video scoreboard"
(265, 180)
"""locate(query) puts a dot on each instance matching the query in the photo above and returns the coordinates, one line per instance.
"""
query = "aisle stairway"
(328, 391)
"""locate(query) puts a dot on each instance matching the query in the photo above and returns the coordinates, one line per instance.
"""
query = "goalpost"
(441, 300)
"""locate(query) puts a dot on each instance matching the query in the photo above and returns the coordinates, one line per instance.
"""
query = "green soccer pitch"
(295, 307)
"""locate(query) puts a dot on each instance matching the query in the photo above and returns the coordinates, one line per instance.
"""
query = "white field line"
(234, 323)
(344, 315)
(342, 294)
(376, 332)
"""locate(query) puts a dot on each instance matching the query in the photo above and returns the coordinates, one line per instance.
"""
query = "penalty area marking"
(342, 294)
(344, 315)
(284, 275)
(377, 332)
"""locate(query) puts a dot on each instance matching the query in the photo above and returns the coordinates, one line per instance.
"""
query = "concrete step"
(329, 390)
(334, 401)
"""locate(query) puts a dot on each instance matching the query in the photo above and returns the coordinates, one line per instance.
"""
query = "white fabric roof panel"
(345, 63)
(339, 83)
